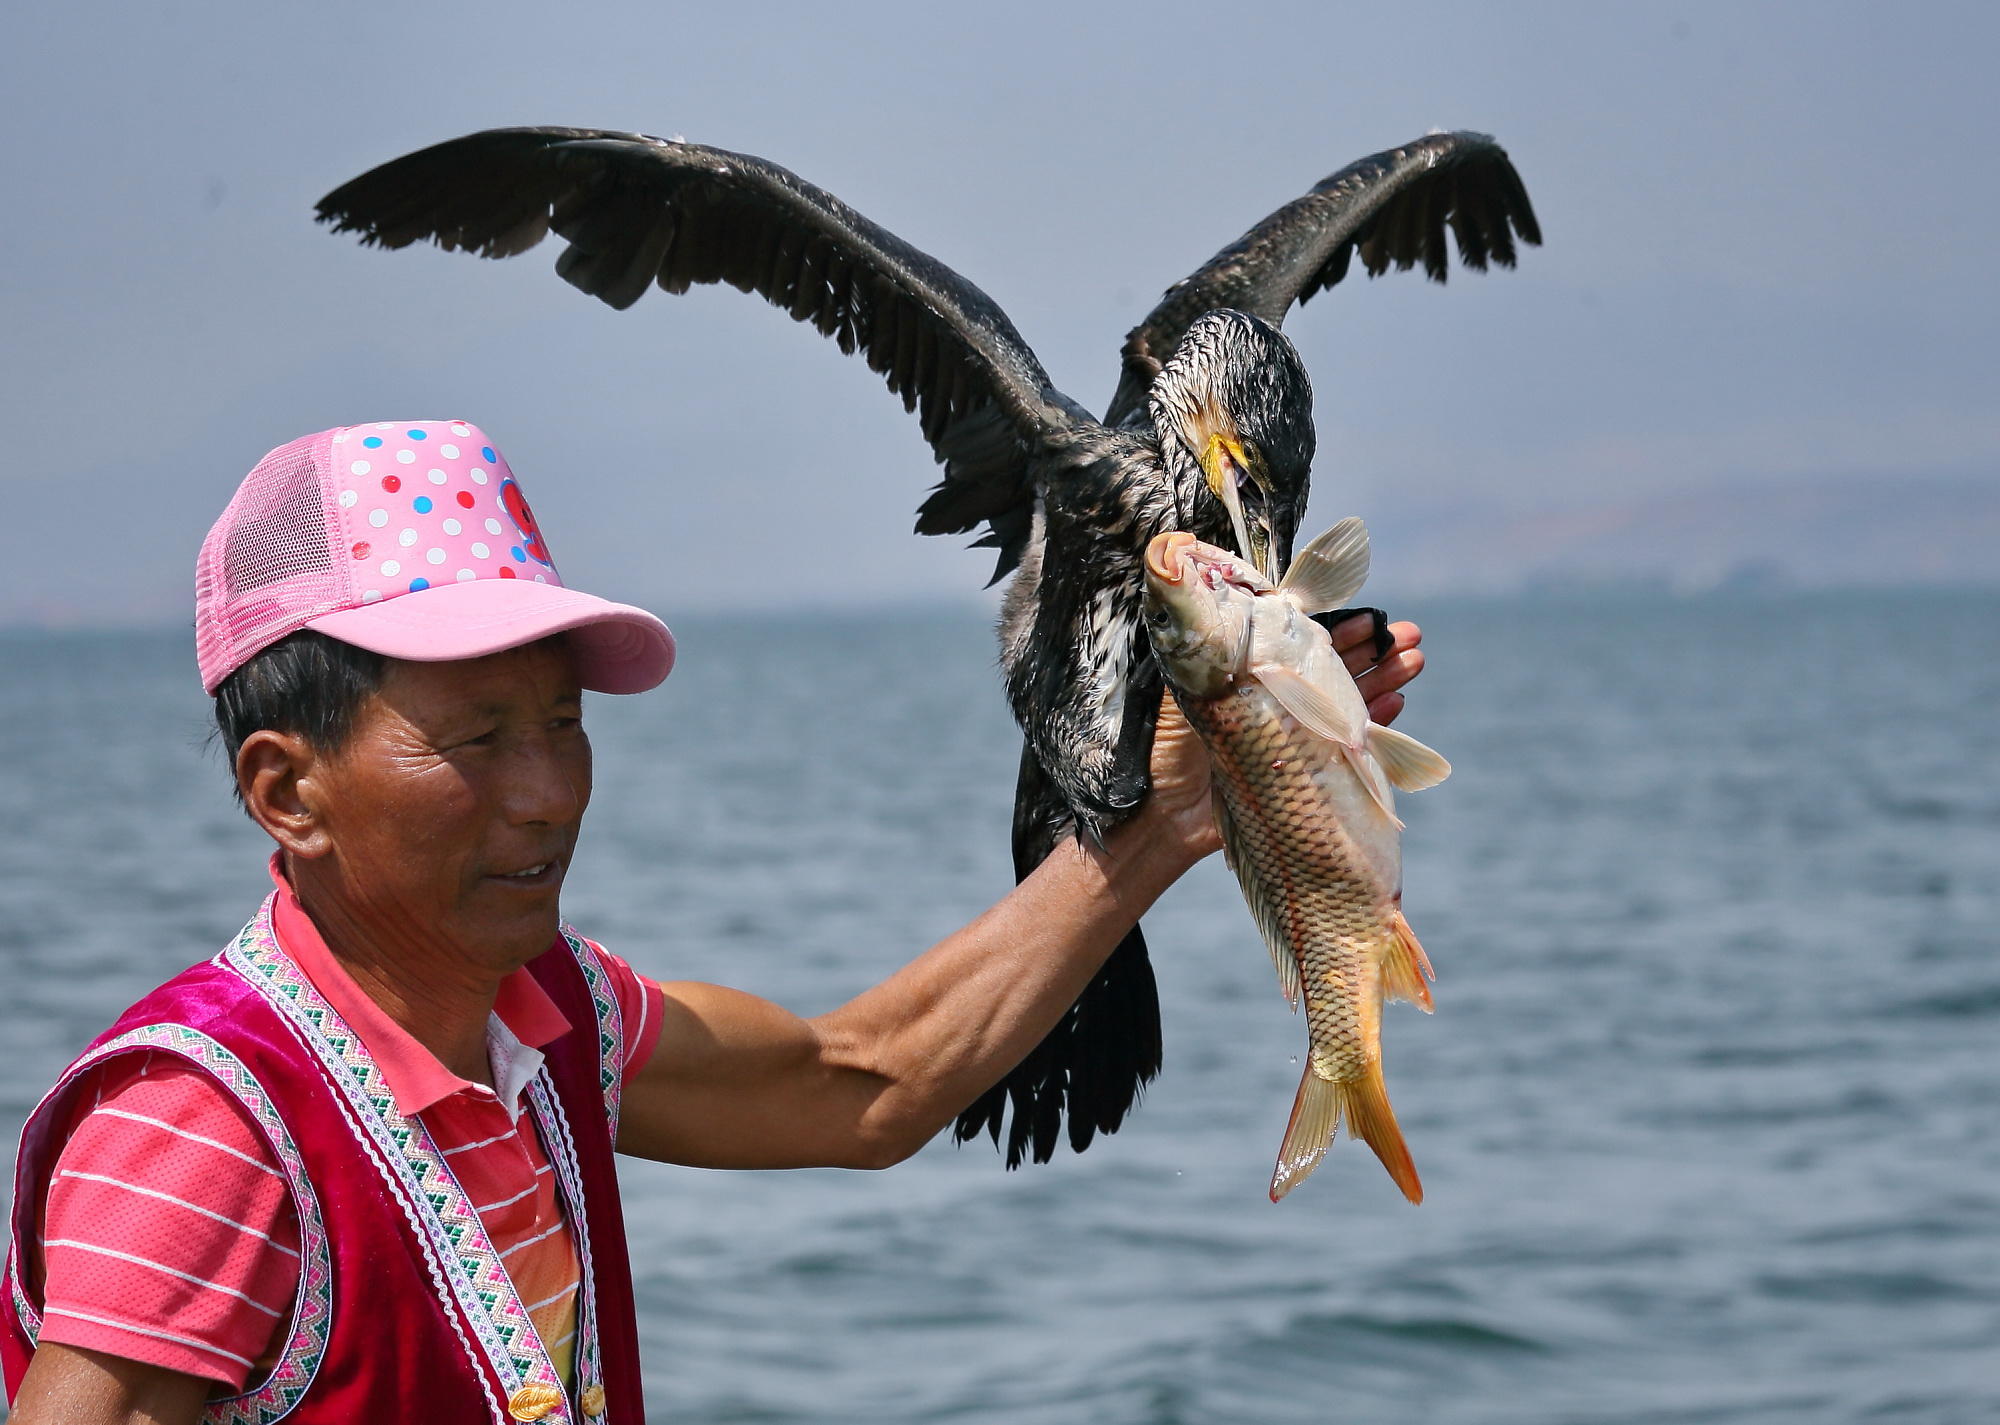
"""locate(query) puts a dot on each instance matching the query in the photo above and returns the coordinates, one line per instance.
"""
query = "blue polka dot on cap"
(373, 442)
(418, 585)
(487, 451)
(415, 434)
(422, 504)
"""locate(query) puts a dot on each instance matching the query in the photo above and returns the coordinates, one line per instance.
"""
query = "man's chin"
(519, 933)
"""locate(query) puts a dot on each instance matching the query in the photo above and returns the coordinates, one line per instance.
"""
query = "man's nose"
(549, 783)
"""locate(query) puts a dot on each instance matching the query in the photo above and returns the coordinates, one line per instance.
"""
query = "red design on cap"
(361, 550)
(516, 505)
(392, 483)
(465, 498)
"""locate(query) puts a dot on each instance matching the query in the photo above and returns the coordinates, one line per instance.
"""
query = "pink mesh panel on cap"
(266, 568)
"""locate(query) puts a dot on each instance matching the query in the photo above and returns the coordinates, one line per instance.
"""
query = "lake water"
(1708, 1115)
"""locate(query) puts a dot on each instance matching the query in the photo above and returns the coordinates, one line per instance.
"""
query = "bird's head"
(1233, 410)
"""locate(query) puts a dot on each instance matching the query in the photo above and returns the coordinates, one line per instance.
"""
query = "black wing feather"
(1392, 208)
(1090, 1068)
(638, 210)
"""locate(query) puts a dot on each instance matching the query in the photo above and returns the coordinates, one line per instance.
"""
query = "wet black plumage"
(1212, 399)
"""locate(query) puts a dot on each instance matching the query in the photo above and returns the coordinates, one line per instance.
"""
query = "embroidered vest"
(404, 1309)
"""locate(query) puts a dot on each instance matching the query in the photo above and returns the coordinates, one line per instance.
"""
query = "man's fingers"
(1390, 674)
(1385, 708)
(1173, 739)
(1357, 649)
(1356, 631)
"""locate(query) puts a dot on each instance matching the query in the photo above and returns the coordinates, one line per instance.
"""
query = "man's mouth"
(539, 874)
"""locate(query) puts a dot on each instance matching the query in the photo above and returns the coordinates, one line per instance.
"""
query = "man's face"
(453, 807)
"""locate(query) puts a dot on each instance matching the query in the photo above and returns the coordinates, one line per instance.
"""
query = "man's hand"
(1179, 805)
(1380, 682)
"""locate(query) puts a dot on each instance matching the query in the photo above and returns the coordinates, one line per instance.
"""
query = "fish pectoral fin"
(1317, 710)
(1330, 571)
(1406, 969)
(1264, 909)
(1410, 765)
(1376, 781)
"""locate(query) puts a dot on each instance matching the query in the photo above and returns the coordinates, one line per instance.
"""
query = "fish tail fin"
(1315, 1118)
(1365, 1104)
(1405, 966)
(1316, 1115)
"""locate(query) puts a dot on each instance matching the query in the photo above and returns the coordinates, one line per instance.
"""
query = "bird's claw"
(1378, 634)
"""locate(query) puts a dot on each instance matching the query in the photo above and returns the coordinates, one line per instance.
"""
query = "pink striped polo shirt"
(169, 1236)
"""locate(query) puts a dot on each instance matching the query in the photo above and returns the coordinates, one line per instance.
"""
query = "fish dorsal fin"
(1318, 710)
(1330, 571)
(1410, 765)
(1268, 912)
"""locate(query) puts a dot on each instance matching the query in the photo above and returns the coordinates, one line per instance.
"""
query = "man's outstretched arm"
(68, 1385)
(737, 1082)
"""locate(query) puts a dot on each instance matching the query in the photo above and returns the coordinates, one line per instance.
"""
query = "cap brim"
(618, 648)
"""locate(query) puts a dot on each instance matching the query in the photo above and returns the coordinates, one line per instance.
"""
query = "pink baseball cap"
(410, 539)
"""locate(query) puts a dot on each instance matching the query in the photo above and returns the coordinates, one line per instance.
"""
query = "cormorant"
(1210, 431)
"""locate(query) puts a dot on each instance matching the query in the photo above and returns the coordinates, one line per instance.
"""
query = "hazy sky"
(1768, 231)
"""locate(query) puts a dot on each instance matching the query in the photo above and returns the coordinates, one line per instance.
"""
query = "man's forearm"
(948, 1025)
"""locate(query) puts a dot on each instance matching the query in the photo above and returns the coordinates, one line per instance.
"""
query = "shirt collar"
(524, 1019)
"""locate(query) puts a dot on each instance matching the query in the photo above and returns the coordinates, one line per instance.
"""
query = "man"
(360, 1164)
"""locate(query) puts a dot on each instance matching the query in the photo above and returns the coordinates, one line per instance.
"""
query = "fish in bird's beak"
(1234, 475)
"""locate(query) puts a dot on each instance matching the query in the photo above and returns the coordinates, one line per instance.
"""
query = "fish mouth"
(1166, 555)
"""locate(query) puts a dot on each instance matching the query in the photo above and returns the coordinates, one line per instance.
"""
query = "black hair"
(305, 683)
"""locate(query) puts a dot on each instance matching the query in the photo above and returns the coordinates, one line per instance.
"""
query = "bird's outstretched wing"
(638, 210)
(1392, 208)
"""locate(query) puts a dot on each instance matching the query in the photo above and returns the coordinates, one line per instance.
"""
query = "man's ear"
(275, 772)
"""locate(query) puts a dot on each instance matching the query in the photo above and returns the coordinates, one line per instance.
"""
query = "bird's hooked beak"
(1234, 474)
